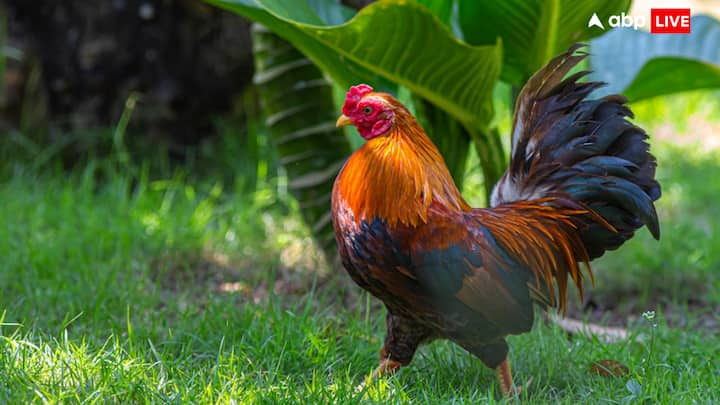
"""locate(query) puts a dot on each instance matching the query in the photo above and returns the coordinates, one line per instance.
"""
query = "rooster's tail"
(581, 152)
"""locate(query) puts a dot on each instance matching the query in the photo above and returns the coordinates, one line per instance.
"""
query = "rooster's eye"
(367, 110)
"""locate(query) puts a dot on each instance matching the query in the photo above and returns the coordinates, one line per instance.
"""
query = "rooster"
(580, 182)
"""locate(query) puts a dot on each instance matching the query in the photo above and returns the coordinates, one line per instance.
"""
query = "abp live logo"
(670, 20)
(662, 21)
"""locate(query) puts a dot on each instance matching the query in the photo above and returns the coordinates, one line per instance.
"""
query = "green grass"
(119, 289)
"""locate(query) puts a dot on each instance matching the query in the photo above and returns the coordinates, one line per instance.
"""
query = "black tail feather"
(586, 151)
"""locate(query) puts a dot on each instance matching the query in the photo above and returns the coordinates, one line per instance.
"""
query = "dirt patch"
(625, 308)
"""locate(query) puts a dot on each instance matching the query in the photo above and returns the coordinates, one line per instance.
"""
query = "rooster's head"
(373, 114)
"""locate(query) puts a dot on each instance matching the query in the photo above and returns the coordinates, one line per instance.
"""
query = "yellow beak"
(342, 121)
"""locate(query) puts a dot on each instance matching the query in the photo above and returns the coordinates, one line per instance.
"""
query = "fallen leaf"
(609, 368)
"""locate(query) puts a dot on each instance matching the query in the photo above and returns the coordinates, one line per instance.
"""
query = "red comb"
(354, 95)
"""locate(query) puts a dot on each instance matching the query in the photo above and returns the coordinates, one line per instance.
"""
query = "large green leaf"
(331, 12)
(344, 72)
(446, 11)
(299, 113)
(641, 65)
(441, 9)
(532, 31)
(397, 40)
(660, 76)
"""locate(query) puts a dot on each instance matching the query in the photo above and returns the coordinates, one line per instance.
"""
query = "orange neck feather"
(397, 176)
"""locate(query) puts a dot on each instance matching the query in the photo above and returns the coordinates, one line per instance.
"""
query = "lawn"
(117, 288)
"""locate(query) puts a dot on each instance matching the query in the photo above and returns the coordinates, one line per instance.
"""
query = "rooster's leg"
(403, 337)
(504, 374)
(387, 367)
(494, 355)
(505, 379)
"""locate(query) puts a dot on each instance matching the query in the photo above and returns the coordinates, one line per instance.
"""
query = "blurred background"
(170, 161)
